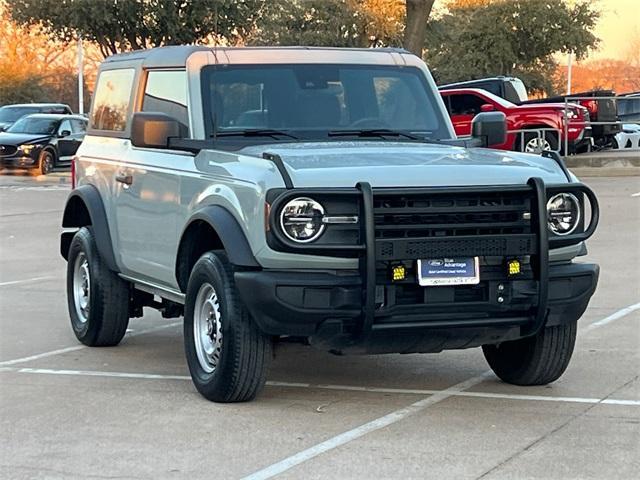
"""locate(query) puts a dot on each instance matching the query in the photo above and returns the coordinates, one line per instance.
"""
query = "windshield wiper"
(372, 132)
(257, 132)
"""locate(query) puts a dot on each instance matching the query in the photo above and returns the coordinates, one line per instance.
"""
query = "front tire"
(533, 143)
(227, 354)
(97, 298)
(535, 360)
(46, 163)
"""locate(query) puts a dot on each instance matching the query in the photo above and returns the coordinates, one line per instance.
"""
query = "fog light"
(513, 267)
(398, 272)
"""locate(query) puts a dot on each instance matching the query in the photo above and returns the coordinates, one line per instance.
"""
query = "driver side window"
(466, 104)
(64, 125)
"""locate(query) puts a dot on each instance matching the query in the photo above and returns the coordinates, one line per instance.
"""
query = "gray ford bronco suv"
(320, 194)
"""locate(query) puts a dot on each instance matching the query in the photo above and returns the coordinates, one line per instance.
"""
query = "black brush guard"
(369, 249)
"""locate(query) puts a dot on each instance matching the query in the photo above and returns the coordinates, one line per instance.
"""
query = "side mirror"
(153, 129)
(487, 107)
(64, 133)
(490, 128)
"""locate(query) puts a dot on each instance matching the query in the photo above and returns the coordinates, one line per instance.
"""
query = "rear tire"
(227, 354)
(535, 360)
(98, 299)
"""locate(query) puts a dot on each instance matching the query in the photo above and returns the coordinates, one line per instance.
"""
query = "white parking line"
(612, 318)
(80, 347)
(635, 194)
(26, 280)
(347, 388)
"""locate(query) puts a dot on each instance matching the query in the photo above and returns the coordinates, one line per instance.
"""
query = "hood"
(397, 164)
(16, 139)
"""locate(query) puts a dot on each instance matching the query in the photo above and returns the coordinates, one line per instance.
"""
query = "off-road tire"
(535, 360)
(46, 162)
(108, 305)
(245, 352)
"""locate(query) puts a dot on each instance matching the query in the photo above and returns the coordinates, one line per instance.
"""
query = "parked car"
(42, 141)
(628, 138)
(509, 88)
(463, 104)
(353, 217)
(629, 109)
(10, 113)
(600, 110)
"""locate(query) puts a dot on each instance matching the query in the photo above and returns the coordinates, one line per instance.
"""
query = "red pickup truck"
(465, 103)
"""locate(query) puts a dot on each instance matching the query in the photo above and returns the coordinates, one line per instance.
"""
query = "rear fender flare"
(85, 207)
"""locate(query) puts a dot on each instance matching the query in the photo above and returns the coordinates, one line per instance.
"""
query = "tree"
(121, 25)
(32, 67)
(480, 38)
(418, 12)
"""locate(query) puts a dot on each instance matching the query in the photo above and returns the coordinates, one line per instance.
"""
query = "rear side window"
(111, 102)
(166, 92)
(79, 126)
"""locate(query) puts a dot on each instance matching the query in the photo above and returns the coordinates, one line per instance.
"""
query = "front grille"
(425, 225)
(7, 150)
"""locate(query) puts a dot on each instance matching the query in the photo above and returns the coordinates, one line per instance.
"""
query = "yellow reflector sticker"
(514, 267)
(399, 273)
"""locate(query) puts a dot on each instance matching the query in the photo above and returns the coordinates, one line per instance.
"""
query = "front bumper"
(366, 311)
(18, 161)
(327, 306)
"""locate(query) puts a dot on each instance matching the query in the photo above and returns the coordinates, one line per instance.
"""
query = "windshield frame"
(442, 132)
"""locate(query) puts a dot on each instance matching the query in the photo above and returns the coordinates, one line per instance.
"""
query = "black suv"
(10, 113)
(42, 141)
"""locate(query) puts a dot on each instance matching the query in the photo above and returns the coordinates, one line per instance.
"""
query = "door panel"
(147, 211)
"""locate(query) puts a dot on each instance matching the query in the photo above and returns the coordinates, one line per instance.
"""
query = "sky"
(619, 19)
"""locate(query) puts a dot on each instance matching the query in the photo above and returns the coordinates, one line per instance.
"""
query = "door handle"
(126, 179)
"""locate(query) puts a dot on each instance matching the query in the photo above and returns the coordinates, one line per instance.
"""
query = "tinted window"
(166, 92)
(465, 104)
(11, 114)
(111, 101)
(79, 126)
(34, 125)
(64, 125)
(311, 100)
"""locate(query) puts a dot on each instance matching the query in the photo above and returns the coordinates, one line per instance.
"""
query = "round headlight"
(563, 213)
(301, 220)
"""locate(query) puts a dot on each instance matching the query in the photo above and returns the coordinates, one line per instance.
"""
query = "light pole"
(80, 77)
(569, 57)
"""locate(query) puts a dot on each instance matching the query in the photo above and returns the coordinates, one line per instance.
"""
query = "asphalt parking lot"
(67, 411)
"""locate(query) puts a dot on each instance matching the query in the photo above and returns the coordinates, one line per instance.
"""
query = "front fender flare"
(231, 234)
(85, 207)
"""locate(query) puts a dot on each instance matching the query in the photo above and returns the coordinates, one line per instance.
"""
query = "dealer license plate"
(448, 271)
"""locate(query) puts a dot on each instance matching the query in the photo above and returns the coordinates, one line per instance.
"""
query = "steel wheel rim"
(537, 145)
(207, 328)
(82, 287)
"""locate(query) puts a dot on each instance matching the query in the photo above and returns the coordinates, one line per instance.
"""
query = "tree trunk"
(417, 15)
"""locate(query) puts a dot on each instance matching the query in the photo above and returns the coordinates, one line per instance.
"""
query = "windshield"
(314, 102)
(34, 125)
(11, 114)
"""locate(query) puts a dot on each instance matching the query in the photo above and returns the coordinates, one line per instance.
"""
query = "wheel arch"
(533, 127)
(85, 208)
(211, 228)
